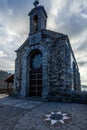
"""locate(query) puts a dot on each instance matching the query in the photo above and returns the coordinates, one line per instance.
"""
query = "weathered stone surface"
(22, 114)
(60, 70)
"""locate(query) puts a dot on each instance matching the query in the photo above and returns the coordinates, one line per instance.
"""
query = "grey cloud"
(3, 5)
(2, 31)
(73, 24)
(82, 63)
(82, 47)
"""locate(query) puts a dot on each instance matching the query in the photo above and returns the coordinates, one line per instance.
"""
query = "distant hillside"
(3, 76)
(84, 87)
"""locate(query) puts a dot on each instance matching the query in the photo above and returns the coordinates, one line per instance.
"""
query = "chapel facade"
(45, 63)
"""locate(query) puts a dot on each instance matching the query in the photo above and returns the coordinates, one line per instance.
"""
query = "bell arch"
(35, 22)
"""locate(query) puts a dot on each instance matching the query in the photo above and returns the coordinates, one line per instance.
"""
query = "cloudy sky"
(65, 16)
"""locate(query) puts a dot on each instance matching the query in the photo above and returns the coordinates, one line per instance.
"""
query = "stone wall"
(57, 67)
(18, 74)
(57, 71)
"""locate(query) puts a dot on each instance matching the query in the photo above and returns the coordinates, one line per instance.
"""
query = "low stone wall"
(70, 97)
(2, 91)
(10, 91)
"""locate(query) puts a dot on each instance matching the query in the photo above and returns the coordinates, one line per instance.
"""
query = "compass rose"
(55, 117)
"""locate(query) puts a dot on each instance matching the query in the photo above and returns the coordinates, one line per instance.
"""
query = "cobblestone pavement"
(20, 114)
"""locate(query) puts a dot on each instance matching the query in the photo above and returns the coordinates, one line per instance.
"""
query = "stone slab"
(21, 114)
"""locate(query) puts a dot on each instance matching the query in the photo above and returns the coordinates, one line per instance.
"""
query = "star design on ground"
(56, 117)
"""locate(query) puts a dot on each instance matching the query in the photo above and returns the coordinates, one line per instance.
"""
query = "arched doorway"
(35, 72)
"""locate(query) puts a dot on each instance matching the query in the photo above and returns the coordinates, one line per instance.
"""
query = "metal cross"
(36, 3)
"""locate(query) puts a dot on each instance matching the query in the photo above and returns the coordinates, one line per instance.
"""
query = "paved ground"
(20, 114)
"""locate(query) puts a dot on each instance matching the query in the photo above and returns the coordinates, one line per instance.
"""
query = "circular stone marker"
(57, 117)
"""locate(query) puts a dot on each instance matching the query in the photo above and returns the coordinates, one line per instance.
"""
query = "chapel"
(45, 65)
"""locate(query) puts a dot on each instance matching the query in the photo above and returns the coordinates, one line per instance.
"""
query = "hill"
(84, 87)
(3, 76)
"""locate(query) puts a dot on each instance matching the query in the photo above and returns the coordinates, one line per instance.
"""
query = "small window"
(36, 22)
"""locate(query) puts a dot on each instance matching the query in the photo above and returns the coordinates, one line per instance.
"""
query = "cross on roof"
(36, 3)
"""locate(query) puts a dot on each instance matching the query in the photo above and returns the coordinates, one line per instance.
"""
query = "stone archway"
(35, 72)
(26, 75)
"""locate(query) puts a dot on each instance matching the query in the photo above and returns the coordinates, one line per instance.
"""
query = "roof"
(10, 79)
(23, 45)
(52, 34)
(44, 32)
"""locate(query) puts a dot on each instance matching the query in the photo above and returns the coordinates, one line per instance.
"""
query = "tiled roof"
(10, 79)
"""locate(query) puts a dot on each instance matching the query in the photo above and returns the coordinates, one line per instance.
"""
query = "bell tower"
(38, 18)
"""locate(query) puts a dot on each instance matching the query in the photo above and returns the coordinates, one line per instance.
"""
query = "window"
(36, 60)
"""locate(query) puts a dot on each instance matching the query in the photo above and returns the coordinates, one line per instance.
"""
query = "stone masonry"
(60, 71)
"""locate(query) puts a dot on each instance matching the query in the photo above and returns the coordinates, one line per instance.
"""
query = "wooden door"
(35, 83)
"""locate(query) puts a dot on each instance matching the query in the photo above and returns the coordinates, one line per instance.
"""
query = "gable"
(25, 44)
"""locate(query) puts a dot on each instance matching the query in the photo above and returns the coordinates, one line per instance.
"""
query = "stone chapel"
(45, 65)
